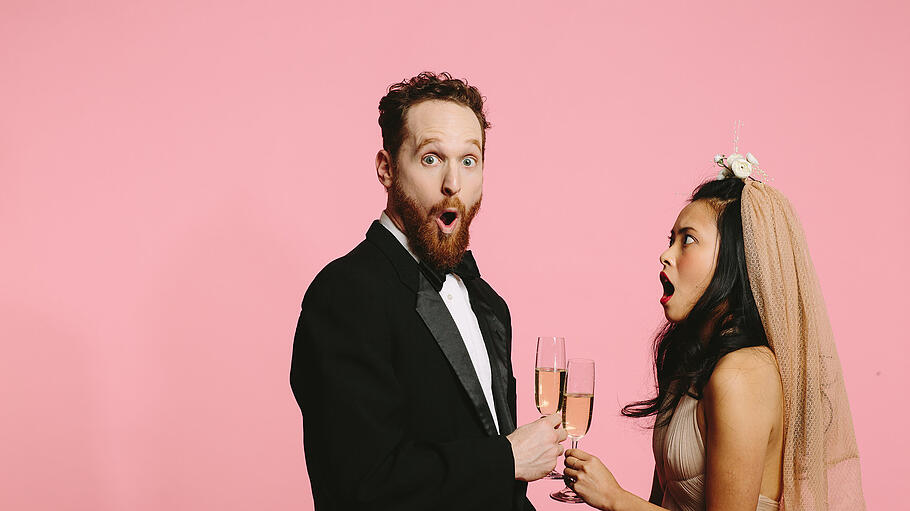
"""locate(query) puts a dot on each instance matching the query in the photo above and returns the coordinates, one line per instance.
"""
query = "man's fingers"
(554, 420)
(578, 453)
(571, 472)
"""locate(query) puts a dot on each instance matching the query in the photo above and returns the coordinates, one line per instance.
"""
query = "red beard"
(435, 248)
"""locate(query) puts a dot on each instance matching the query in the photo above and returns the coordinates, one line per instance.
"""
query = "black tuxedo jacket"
(393, 413)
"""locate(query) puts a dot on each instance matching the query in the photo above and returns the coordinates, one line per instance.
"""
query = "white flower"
(739, 164)
(728, 161)
(741, 168)
(735, 165)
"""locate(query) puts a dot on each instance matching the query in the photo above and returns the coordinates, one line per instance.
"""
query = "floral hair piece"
(737, 165)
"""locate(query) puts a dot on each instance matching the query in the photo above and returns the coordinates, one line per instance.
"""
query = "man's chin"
(439, 249)
(437, 244)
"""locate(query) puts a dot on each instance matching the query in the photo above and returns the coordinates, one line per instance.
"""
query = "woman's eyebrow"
(682, 230)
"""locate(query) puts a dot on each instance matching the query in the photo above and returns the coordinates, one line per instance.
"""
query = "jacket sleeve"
(353, 406)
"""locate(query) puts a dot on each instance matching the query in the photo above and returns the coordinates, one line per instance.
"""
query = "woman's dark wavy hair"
(723, 320)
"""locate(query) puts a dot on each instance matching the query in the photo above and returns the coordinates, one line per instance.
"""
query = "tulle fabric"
(821, 469)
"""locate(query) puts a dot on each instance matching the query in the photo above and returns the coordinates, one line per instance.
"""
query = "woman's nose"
(665, 257)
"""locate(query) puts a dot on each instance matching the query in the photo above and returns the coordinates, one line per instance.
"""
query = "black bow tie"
(466, 269)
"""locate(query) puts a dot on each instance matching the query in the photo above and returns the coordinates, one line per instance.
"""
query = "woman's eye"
(669, 241)
(689, 239)
(430, 159)
(469, 162)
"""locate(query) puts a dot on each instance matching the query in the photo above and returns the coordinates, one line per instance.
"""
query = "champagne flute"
(550, 379)
(576, 412)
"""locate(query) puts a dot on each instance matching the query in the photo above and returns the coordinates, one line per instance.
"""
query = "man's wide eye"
(469, 162)
(430, 159)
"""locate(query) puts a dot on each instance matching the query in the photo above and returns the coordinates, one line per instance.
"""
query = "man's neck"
(395, 218)
(393, 227)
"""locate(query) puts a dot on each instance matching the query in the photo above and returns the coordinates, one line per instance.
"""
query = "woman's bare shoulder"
(747, 373)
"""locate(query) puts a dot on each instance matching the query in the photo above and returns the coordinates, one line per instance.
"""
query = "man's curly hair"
(394, 106)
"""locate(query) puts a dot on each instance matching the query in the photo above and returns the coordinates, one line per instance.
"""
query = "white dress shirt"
(455, 295)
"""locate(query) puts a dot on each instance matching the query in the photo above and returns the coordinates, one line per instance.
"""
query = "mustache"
(450, 202)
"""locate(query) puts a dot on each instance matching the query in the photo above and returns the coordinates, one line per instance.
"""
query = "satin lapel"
(437, 318)
(494, 336)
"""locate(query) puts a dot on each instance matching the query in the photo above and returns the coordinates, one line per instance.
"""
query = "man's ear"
(384, 168)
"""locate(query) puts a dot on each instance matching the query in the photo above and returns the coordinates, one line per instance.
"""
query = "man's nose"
(451, 182)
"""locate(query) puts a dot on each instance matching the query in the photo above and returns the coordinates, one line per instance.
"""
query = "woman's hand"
(593, 481)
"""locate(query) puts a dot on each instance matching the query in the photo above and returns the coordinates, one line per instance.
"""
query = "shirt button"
(450, 297)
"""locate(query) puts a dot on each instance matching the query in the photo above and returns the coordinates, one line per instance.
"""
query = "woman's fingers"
(578, 453)
(570, 476)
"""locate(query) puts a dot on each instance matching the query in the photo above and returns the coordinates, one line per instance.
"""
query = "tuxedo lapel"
(436, 316)
(494, 335)
(439, 321)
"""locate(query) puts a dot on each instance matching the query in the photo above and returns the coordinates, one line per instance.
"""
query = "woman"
(751, 411)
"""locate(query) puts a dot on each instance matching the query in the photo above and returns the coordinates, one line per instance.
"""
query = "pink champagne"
(576, 414)
(549, 389)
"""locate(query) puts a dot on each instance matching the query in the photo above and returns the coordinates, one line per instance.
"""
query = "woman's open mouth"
(448, 220)
(668, 288)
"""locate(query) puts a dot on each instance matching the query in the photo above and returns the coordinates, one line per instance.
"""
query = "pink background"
(173, 175)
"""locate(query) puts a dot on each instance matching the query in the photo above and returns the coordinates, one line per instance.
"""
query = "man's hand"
(535, 447)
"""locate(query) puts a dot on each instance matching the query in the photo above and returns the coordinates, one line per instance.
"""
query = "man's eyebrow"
(427, 142)
(431, 140)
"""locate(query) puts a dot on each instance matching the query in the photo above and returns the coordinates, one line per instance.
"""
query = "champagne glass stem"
(568, 494)
(554, 474)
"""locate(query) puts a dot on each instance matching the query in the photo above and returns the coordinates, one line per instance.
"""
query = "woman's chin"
(672, 315)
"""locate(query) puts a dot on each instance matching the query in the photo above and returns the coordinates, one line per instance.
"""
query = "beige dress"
(679, 454)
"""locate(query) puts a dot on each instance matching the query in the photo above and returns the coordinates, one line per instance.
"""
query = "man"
(402, 356)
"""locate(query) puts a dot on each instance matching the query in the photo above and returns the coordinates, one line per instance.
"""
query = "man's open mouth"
(668, 288)
(448, 218)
